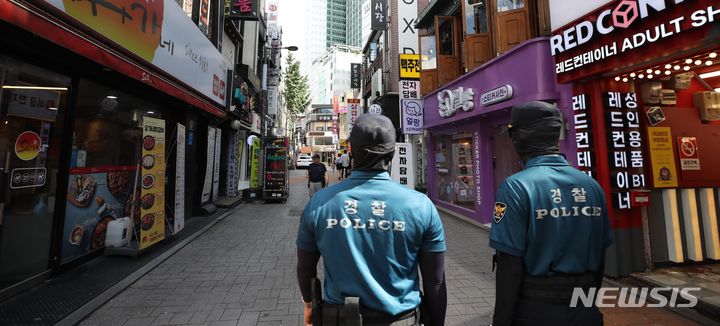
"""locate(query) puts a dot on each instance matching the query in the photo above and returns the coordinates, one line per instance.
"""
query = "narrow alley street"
(242, 272)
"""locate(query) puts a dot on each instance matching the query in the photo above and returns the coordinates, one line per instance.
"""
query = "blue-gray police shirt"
(553, 216)
(369, 231)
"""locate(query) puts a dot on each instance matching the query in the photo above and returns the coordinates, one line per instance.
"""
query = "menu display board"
(275, 168)
(152, 182)
(95, 197)
(255, 164)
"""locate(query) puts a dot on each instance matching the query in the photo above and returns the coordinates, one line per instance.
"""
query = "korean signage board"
(355, 75)
(244, 9)
(160, 33)
(583, 134)
(409, 89)
(378, 15)
(450, 101)
(354, 109)
(605, 38)
(689, 153)
(402, 165)
(216, 165)
(255, 163)
(407, 11)
(497, 95)
(152, 181)
(664, 172)
(210, 158)
(272, 94)
(409, 66)
(412, 116)
(625, 146)
(179, 218)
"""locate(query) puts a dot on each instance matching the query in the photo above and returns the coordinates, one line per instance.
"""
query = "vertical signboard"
(624, 146)
(210, 157)
(272, 94)
(378, 15)
(255, 164)
(409, 66)
(216, 165)
(355, 73)
(204, 16)
(583, 134)
(152, 181)
(407, 12)
(411, 107)
(402, 169)
(662, 157)
(179, 221)
(353, 109)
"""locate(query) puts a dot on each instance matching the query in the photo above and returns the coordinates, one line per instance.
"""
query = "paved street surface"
(242, 272)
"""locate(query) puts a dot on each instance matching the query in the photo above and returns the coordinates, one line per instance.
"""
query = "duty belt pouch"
(352, 315)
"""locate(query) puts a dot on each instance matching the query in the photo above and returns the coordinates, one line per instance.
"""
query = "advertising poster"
(412, 116)
(179, 221)
(152, 182)
(95, 197)
(689, 153)
(255, 164)
(207, 184)
(216, 165)
(664, 171)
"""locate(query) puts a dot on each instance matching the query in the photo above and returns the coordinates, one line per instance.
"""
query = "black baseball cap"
(374, 134)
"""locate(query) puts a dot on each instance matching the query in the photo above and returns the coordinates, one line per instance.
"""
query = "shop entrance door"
(505, 160)
(32, 102)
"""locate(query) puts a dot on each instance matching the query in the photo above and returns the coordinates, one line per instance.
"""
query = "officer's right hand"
(307, 313)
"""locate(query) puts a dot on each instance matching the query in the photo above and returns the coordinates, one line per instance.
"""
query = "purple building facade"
(469, 151)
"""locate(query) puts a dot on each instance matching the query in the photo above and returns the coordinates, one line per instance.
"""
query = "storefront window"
(476, 17)
(507, 5)
(446, 37)
(33, 104)
(454, 166)
(428, 52)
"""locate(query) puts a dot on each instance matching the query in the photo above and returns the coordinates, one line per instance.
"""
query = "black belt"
(337, 312)
(556, 288)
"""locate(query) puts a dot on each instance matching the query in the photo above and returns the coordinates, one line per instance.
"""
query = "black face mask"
(540, 137)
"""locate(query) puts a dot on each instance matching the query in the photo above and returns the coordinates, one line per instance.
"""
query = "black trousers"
(538, 313)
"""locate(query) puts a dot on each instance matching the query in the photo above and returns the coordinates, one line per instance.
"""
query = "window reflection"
(506, 5)
(428, 53)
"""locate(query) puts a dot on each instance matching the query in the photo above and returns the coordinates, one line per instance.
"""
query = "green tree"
(296, 88)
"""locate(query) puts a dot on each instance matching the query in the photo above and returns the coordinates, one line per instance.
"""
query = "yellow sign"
(661, 155)
(409, 66)
(152, 180)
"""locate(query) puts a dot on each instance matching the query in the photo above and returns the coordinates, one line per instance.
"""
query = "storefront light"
(667, 72)
(676, 67)
(712, 55)
(708, 63)
(649, 71)
(111, 97)
(617, 78)
(717, 90)
(668, 66)
(35, 87)
(641, 76)
(686, 68)
(657, 72)
(625, 79)
(632, 75)
(710, 74)
(698, 62)
(688, 61)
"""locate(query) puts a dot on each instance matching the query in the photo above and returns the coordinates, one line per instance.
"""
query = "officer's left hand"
(307, 314)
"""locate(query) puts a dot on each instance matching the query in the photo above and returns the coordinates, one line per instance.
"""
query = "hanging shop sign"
(409, 66)
(256, 123)
(378, 15)
(353, 111)
(402, 165)
(209, 170)
(624, 26)
(355, 74)
(27, 145)
(624, 146)
(272, 94)
(662, 157)
(583, 134)
(409, 89)
(450, 101)
(152, 181)
(96, 196)
(244, 10)
(179, 219)
(412, 116)
(497, 95)
(407, 12)
(689, 153)
(375, 109)
(160, 33)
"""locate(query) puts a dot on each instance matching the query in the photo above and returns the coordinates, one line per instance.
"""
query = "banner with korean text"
(152, 180)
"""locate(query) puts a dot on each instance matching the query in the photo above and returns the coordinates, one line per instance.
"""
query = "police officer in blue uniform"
(550, 229)
(373, 235)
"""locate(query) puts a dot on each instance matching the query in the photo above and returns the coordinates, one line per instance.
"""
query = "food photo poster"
(152, 182)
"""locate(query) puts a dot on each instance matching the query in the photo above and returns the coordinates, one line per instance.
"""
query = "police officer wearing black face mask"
(550, 229)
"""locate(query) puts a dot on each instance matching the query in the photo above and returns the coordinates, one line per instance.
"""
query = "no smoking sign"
(689, 153)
